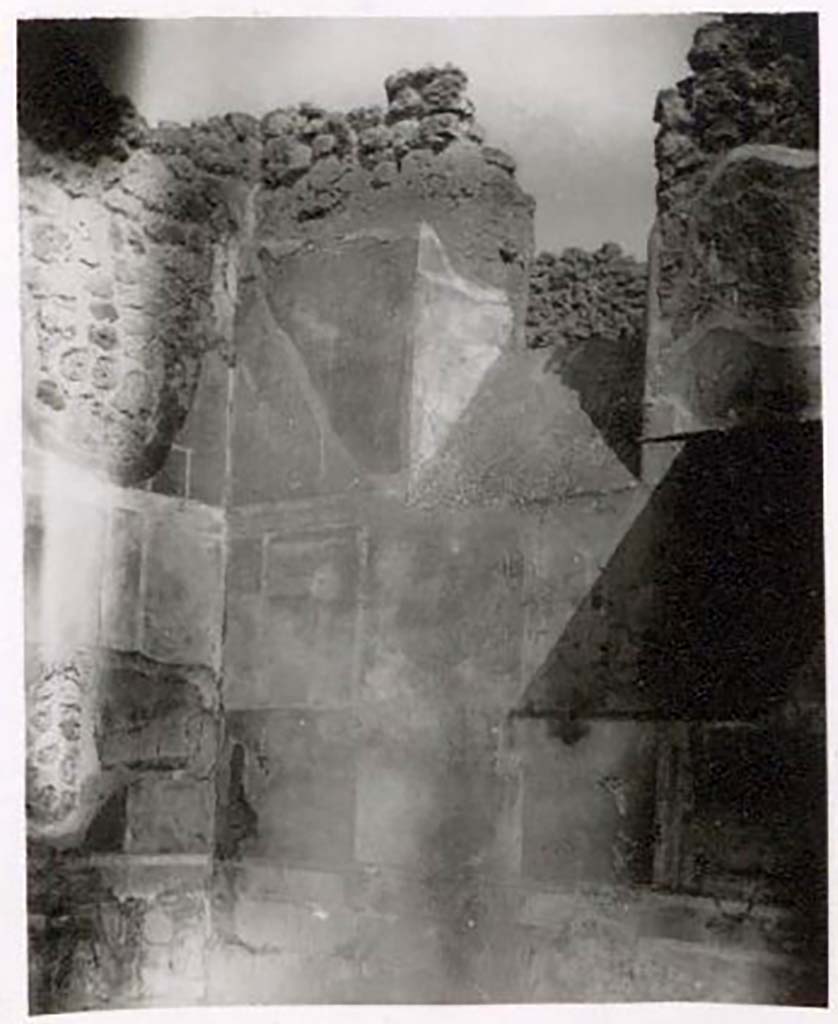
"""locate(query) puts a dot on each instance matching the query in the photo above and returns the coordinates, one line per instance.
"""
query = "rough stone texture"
(741, 342)
(142, 936)
(475, 207)
(589, 309)
(522, 440)
(127, 259)
(561, 944)
(153, 717)
(117, 933)
(110, 382)
(734, 294)
(755, 80)
(578, 295)
(427, 110)
(61, 772)
(131, 242)
(87, 940)
(97, 724)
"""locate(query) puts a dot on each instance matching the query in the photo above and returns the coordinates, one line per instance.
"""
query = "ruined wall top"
(734, 315)
(754, 81)
(134, 237)
(72, 113)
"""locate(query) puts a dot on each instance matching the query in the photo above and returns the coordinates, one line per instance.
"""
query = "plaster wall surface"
(386, 820)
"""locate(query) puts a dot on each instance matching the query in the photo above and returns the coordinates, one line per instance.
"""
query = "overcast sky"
(570, 97)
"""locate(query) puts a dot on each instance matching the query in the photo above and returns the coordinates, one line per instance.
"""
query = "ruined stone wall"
(754, 81)
(401, 464)
(134, 241)
(128, 288)
(323, 174)
(332, 776)
(421, 517)
(734, 314)
(589, 309)
(127, 277)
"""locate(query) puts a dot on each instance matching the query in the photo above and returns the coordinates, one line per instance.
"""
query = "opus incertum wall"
(129, 272)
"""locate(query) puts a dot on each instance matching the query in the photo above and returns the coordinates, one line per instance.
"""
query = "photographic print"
(422, 474)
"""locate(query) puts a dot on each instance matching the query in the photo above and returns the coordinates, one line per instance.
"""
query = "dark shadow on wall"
(609, 378)
(711, 613)
(715, 597)
(69, 77)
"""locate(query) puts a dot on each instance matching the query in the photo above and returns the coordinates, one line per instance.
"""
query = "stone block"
(153, 719)
(176, 886)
